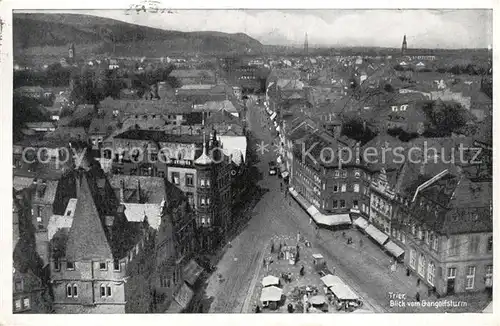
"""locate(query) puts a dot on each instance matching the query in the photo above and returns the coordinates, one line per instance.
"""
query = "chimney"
(138, 191)
(122, 187)
(109, 221)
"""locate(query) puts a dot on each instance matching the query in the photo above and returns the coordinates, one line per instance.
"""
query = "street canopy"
(339, 288)
(271, 293)
(270, 280)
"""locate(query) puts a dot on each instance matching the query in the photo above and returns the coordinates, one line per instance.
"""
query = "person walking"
(417, 296)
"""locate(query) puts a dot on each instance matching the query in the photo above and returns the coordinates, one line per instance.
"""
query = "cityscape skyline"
(326, 27)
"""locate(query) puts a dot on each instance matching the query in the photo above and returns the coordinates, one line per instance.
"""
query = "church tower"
(71, 52)
(404, 47)
(306, 46)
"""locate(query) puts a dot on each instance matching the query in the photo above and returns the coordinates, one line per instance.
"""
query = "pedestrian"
(343, 234)
(298, 238)
(407, 272)
(257, 309)
(281, 246)
(418, 282)
(302, 269)
(310, 220)
(417, 297)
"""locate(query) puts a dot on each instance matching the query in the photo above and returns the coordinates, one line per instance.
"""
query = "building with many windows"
(336, 187)
(445, 226)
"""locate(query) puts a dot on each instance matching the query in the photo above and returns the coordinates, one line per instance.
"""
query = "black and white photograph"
(272, 161)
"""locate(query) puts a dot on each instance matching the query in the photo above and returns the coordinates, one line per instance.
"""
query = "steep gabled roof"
(87, 238)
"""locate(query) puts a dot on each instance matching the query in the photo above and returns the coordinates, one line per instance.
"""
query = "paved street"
(363, 266)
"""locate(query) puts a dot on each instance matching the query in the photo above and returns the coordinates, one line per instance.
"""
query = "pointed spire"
(204, 159)
(87, 238)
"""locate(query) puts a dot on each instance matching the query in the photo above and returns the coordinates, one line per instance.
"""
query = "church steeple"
(306, 46)
(404, 47)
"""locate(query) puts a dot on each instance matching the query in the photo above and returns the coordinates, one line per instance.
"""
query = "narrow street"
(362, 265)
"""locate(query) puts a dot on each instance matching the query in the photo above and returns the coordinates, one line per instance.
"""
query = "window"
(102, 266)
(108, 290)
(426, 237)
(103, 290)
(357, 173)
(161, 174)
(355, 204)
(26, 303)
(471, 275)
(452, 272)
(70, 265)
(453, 246)
(435, 243)
(413, 258)
(208, 183)
(413, 229)
(473, 244)
(430, 273)
(343, 187)
(18, 286)
(342, 203)
(420, 234)
(337, 173)
(202, 183)
(488, 277)
(116, 265)
(75, 290)
(344, 174)
(57, 265)
(69, 290)
(421, 265)
(335, 188)
(175, 178)
(394, 108)
(489, 245)
(17, 305)
(404, 107)
(189, 179)
(356, 187)
(335, 204)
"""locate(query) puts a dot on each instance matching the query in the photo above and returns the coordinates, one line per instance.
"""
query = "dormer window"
(394, 108)
(404, 107)
(70, 265)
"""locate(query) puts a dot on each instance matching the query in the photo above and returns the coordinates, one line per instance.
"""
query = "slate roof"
(152, 188)
(87, 239)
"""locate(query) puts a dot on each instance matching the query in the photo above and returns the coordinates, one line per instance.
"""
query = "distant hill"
(54, 32)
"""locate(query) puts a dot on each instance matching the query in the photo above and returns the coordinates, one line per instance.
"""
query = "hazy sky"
(424, 28)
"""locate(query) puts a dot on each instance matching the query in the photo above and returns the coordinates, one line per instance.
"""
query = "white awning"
(270, 280)
(285, 174)
(376, 234)
(293, 192)
(313, 211)
(394, 249)
(273, 116)
(361, 222)
(339, 288)
(271, 293)
(330, 220)
(278, 159)
(278, 128)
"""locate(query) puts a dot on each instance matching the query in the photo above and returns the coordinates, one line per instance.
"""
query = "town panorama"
(165, 170)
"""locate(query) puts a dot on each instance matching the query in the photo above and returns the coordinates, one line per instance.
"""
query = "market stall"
(271, 296)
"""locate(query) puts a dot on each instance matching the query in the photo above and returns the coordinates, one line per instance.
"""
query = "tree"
(445, 117)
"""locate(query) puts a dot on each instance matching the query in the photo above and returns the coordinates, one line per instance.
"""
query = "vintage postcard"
(275, 161)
